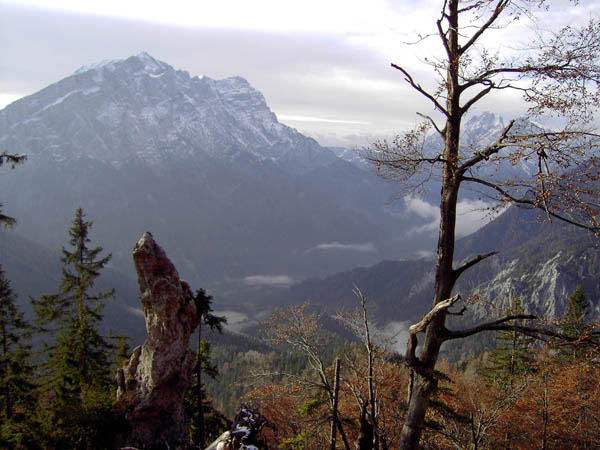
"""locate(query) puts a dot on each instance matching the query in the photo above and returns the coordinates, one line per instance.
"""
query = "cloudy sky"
(323, 65)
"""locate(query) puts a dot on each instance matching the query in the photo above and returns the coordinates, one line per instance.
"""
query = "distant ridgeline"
(246, 205)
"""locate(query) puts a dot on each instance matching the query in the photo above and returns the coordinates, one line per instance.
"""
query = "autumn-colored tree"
(559, 75)
(368, 378)
(300, 329)
(474, 411)
(559, 409)
(299, 422)
(390, 393)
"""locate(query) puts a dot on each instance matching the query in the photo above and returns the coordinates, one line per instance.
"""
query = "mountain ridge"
(204, 164)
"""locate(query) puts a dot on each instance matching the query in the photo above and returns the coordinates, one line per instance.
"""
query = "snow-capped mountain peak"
(164, 114)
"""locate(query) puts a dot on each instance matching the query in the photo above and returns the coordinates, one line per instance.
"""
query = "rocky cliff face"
(152, 388)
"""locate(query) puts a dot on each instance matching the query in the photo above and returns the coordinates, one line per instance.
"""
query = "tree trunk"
(365, 436)
(7, 393)
(334, 414)
(200, 433)
(422, 367)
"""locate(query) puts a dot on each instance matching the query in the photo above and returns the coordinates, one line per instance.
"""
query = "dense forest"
(58, 390)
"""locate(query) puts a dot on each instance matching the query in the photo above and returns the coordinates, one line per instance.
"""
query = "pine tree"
(76, 371)
(15, 369)
(122, 351)
(79, 352)
(198, 403)
(574, 324)
(511, 358)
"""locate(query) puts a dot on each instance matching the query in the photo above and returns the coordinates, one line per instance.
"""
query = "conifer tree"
(122, 350)
(574, 324)
(512, 356)
(15, 369)
(203, 364)
(79, 355)
(76, 370)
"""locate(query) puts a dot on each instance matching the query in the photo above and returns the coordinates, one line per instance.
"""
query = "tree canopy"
(558, 74)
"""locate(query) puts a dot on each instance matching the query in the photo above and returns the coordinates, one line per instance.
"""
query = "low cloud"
(470, 215)
(421, 208)
(424, 254)
(269, 280)
(394, 336)
(365, 247)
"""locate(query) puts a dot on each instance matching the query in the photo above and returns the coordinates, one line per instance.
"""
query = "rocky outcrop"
(245, 433)
(152, 387)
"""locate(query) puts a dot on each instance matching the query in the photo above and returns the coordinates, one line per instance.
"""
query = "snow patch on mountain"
(142, 97)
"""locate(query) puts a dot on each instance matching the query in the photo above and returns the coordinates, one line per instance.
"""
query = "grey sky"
(323, 66)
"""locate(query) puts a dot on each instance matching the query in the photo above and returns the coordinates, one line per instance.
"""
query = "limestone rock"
(152, 387)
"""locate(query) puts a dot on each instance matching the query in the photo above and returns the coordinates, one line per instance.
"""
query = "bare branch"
(442, 35)
(476, 98)
(439, 308)
(432, 122)
(418, 88)
(526, 201)
(500, 6)
(458, 272)
(501, 325)
(484, 155)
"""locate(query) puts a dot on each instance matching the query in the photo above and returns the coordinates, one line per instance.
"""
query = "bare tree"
(558, 75)
(371, 434)
(301, 329)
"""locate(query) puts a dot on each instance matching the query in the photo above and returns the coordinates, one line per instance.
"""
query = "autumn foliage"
(555, 404)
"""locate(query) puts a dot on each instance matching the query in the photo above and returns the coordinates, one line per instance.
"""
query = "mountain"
(245, 206)
(204, 164)
(540, 263)
(34, 270)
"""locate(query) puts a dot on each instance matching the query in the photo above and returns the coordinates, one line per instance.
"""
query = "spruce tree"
(79, 356)
(122, 351)
(16, 371)
(574, 324)
(197, 403)
(75, 407)
(511, 358)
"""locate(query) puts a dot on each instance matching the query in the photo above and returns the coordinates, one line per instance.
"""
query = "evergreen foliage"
(574, 324)
(76, 407)
(79, 354)
(122, 351)
(202, 411)
(16, 371)
(512, 357)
